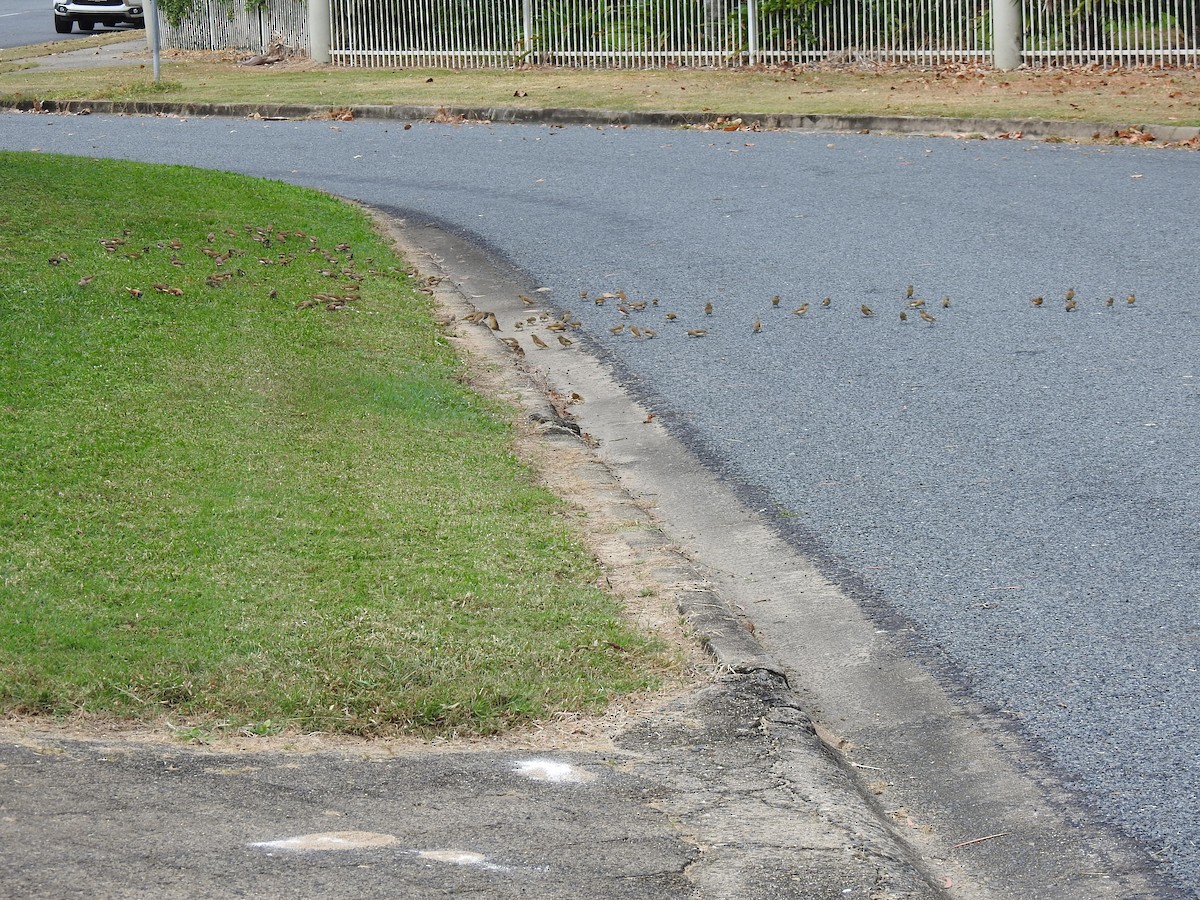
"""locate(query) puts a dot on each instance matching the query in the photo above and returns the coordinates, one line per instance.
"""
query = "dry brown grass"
(1080, 94)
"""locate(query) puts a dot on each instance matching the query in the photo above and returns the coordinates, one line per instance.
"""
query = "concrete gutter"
(1036, 129)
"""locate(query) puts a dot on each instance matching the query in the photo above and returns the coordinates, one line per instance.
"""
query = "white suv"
(89, 13)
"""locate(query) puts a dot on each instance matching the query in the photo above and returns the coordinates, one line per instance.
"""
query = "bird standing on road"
(866, 310)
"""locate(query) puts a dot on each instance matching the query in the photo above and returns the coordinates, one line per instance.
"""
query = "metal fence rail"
(715, 33)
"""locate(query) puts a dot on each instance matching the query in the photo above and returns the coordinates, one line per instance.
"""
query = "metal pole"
(319, 39)
(1006, 34)
(752, 30)
(527, 30)
(155, 44)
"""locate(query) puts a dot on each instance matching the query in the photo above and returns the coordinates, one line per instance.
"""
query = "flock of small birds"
(642, 319)
(277, 247)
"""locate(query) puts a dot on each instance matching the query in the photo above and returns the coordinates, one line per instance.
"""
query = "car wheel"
(87, 25)
(62, 26)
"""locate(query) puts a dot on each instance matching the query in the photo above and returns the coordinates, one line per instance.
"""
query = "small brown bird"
(866, 310)
(635, 331)
(1070, 294)
(649, 418)
(800, 310)
(915, 304)
(513, 345)
(135, 293)
(565, 341)
(826, 302)
(492, 322)
(539, 343)
(1071, 304)
(757, 326)
(621, 296)
(671, 317)
(617, 329)
(776, 300)
(583, 295)
(927, 317)
(945, 302)
(576, 398)
(908, 292)
(708, 309)
(903, 316)
(696, 332)
(528, 301)
(86, 280)
(1037, 301)
(1109, 302)
(649, 332)
(1131, 299)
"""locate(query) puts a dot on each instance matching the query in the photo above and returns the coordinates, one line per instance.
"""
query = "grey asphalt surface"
(1018, 484)
(24, 22)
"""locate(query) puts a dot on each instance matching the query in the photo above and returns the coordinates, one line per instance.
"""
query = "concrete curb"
(1037, 129)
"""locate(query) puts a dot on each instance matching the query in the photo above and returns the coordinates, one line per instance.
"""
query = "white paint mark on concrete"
(330, 840)
(462, 858)
(552, 770)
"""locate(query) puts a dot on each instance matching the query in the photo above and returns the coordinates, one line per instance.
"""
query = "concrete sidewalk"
(725, 794)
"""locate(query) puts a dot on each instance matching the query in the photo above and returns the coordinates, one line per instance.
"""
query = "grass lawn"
(1077, 94)
(244, 482)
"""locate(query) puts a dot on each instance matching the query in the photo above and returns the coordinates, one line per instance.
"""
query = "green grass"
(222, 507)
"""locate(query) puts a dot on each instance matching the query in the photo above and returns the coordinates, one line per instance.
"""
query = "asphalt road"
(24, 22)
(1020, 484)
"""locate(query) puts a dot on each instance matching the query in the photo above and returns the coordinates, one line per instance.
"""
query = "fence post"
(1006, 34)
(527, 30)
(318, 31)
(752, 31)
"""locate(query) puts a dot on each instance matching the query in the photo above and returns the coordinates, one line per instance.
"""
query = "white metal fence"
(231, 26)
(719, 33)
